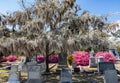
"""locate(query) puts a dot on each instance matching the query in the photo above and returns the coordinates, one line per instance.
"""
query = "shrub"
(108, 57)
(81, 58)
(3, 59)
(40, 58)
(70, 59)
(11, 58)
(53, 58)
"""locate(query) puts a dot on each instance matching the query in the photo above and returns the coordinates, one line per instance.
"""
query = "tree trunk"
(47, 55)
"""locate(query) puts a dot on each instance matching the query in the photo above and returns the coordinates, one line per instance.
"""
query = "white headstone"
(66, 76)
(34, 73)
(110, 76)
(99, 59)
(13, 76)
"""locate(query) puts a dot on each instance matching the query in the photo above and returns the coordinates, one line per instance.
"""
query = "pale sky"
(98, 7)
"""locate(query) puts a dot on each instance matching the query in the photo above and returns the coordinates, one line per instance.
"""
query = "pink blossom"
(108, 57)
(53, 58)
(40, 58)
(81, 58)
(11, 58)
(3, 59)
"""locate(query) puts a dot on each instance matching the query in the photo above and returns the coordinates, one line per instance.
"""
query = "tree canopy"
(51, 25)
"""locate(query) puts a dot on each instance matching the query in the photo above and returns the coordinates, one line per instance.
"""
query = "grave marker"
(66, 76)
(102, 66)
(92, 62)
(13, 76)
(34, 74)
(99, 59)
(114, 52)
(110, 76)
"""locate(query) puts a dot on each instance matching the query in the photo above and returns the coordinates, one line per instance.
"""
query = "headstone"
(110, 76)
(74, 65)
(35, 71)
(13, 76)
(34, 59)
(14, 68)
(34, 74)
(62, 59)
(102, 66)
(21, 64)
(66, 76)
(62, 62)
(114, 52)
(41, 65)
(92, 62)
(99, 59)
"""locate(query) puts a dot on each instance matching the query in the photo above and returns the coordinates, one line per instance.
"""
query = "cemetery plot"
(102, 66)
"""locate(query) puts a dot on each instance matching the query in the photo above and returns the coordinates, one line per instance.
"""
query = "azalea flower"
(3, 59)
(108, 57)
(40, 58)
(53, 58)
(81, 58)
(11, 58)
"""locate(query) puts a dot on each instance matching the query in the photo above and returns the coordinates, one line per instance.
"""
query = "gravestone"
(34, 59)
(62, 59)
(41, 65)
(99, 59)
(34, 75)
(115, 53)
(62, 62)
(66, 76)
(14, 68)
(34, 72)
(110, 76)
(74, 65)
(92, 62)
(21, 64)
(102, 66)
(13, 76)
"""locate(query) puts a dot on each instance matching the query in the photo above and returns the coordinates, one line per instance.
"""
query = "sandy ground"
(52, 77)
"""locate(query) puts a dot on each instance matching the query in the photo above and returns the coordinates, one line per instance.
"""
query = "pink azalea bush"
(40, 58)
(53, 58)
(11, 58)
(3, 59)
(108, 57)
(81, 58)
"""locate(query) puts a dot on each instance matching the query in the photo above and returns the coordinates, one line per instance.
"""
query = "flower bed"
(11, 58)
(108, 57)
(3, 59)
(81, 58)
(40, 58)
(53, 58)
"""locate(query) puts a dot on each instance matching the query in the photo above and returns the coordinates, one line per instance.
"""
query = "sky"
(97, 7)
